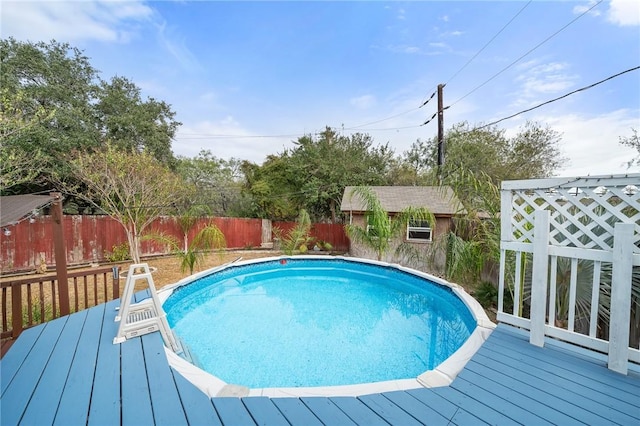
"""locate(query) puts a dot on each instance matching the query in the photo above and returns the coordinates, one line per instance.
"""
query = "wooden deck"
(68, 372)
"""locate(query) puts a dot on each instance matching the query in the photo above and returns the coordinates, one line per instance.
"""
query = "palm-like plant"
(297, 238)
(381, 231)
(208, 238)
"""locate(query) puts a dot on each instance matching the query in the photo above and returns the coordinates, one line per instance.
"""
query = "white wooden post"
(539, 276)
(621, 297)
(506, 198)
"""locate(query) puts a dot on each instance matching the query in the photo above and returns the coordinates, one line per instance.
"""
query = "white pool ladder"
(143, 317)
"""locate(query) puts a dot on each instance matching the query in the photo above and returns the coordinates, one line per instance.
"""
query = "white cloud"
(227, 138)
(591, 143)
(177, 47)
(582, 8)
(111, 21)
(542, 79)
(363, 102)
(624, 12)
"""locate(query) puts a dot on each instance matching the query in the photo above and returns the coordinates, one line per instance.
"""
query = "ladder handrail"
(157, 320)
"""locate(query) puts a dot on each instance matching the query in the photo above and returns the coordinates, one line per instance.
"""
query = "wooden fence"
(90, 238)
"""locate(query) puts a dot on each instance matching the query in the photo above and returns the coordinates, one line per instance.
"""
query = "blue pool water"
(309, 322)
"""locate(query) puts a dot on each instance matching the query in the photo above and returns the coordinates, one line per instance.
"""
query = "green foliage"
(216, 185)
(38, 315)
(192, 254)
(533, 152)
(118, 253)
(54, 103)
(486, 294)
(298, 238)
(632, 141)
(313, 175)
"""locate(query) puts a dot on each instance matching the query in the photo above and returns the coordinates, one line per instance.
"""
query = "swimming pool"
(310, 323)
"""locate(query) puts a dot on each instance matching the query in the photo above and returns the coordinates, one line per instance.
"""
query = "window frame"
(411, 227)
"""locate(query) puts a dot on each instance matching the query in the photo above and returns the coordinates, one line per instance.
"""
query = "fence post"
(621, 297)
(60, 253)
(116, 282)
(16, 310)
(539, 277)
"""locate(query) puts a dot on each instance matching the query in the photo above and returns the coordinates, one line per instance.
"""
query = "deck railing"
(35, 299)
(570, 262)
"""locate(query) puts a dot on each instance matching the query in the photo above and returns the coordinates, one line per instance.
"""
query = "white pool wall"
(442, 375)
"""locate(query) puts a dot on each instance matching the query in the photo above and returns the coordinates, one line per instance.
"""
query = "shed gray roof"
(438, 200)
(15, 207)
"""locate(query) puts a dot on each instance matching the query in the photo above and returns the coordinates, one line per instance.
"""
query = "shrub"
(119, 253)
(486, 294)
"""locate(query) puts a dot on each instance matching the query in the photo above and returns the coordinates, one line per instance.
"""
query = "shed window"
(418, 230)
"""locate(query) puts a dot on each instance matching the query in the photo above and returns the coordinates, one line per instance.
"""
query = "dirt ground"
(169, 272)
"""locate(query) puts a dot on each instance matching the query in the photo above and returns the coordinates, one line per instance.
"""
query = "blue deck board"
(46, 397)
(232, 411)
(549, 408)
(419, 410)
(196, 405)
(357, 411)
(388, 410)
(296, 412)
(264, 412)
(75, 400)
(559, 398)
(326, 411)
(11, 362)
(136, 398)
(580, 369)
(464, 418)
(19, 393)
(484, 412)
(105, 405)
(505, 402)
(165, 401)
(571, 391)
(431, 399)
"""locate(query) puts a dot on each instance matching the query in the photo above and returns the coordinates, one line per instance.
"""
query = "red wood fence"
(89, 238)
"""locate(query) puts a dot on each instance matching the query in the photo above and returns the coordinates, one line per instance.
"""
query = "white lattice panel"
(583, 210)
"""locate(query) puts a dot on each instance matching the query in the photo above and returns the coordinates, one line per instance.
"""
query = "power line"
(559, 97)
(488, 43)
(528, 52)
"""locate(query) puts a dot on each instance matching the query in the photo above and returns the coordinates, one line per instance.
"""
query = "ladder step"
(143, 317)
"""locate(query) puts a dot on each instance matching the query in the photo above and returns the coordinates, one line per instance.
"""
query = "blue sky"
(248, 78)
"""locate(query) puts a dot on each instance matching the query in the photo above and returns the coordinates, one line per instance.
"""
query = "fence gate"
(570, 262)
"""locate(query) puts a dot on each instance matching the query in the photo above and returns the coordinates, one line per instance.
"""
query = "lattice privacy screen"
(583, 210)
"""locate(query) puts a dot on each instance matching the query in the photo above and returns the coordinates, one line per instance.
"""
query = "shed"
(440, 201)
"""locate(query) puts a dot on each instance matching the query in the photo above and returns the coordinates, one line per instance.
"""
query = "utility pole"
(441, 147)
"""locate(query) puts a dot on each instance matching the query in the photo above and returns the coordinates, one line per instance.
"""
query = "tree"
(53, 87)
(132, 123)
(272, 188)
(133, 188)
(217, 184)
(54, 81)
(381, 231)
(312, 176)
(326, 164)
(532, 153)
(632, 141)
(18, 166)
